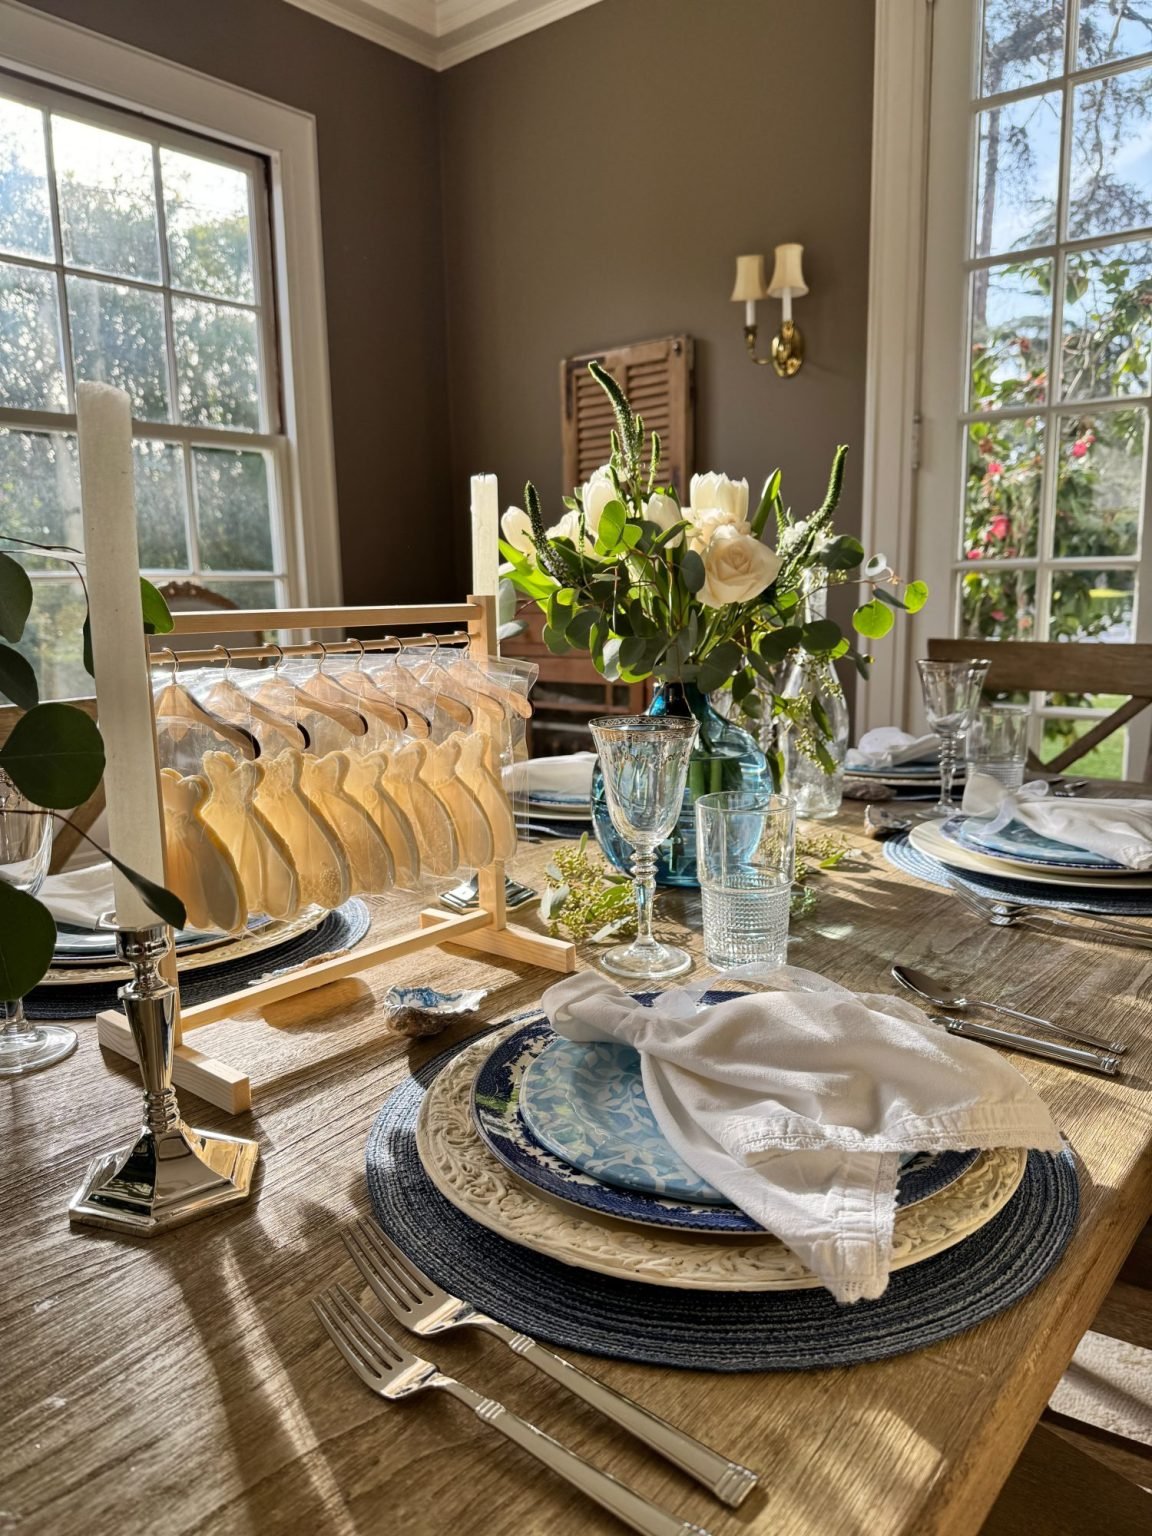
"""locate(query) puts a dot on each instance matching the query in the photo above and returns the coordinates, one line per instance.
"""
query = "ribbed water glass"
(745, 842)
(997, 743)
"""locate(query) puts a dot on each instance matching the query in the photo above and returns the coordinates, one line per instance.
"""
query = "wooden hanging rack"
(127, 719)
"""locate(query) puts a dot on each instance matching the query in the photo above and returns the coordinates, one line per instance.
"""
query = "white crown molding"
(441, 33)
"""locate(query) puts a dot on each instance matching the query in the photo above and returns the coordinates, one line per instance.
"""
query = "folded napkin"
(566, 778)
(888, 747)
(796, 1103)
(79, 897)
(1118, 829)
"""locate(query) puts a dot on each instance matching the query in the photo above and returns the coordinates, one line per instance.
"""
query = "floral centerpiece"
(694, 596)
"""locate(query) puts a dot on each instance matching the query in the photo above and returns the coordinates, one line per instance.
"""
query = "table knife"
(1071, 1055)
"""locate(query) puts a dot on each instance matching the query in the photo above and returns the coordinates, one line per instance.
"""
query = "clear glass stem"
(947, 772)
(16, 1034)
(644, 889)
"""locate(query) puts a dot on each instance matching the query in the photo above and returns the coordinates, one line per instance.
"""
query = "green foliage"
(27, 940)
(17, 679)
(54, 756)
(873, 619)
(15, 598)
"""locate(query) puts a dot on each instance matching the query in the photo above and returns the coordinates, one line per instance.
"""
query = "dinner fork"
(426, 1309)
(391, 1372)
(1008, 914)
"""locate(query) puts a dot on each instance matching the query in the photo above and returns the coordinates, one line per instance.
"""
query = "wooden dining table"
(183, 1384)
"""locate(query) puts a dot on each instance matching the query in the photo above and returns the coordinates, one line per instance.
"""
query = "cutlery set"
(424, 1308)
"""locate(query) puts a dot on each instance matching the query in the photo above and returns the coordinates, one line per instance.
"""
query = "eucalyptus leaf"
(27, 940)
(775, 645)
(54, 755)
(86, 646)
(15, 598)
(819, 636)
(157, 618)
(17, 679)
(873, 620)
(820, 716)
(556, 640)
(168, 907)
(841, 554)
(611, 527)
(692, 571)
(863, 664)
(915, 596)
(579, 628)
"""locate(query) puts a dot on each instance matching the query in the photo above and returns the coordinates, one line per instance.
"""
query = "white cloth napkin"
(1118, 829)
(887, 747)
(79, 897)
(796, 1103)
(565, 778)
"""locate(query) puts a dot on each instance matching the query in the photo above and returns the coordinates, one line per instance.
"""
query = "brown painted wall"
(376, 117)
(601, 175)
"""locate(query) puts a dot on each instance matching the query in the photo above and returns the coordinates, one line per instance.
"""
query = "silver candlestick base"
(171, 1173)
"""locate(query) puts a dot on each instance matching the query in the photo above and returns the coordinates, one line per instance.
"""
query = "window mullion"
(58, 249)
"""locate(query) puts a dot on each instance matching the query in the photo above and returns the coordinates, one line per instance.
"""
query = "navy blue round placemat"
(712, 1330)
(338, 931)
(899, 851)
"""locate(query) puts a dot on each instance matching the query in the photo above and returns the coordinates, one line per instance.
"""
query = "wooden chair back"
(1057, 666)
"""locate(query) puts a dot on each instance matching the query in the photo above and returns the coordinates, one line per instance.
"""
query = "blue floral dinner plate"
(497, 1105)
(1019, 843)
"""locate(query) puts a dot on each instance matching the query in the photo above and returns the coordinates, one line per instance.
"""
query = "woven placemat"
(712, 1331)
(899, 851)
(340, 930)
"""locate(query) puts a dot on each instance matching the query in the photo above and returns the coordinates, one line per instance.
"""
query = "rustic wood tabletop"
(184, 1385)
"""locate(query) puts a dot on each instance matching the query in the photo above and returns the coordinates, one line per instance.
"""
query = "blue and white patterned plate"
(496, 1110)
(1023, 846)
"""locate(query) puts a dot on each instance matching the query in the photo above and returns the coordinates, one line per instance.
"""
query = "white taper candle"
(485, 532)
(119, 653)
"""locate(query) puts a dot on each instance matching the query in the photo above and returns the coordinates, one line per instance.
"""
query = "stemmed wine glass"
(644, 759)
(25, 850)
(951, 698)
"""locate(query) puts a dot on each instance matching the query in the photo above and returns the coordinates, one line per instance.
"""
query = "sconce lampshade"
(749, 279)
(788, 275)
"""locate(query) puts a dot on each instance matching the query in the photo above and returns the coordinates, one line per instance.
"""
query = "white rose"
(517, 530)
(663, 511)
(737, 568)
(716, 493)
(595, 496)
(706, 524)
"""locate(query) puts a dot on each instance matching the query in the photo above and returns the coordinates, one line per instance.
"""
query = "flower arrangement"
(693, 593)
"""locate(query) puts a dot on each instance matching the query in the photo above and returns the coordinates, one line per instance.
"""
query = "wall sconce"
(787, 280)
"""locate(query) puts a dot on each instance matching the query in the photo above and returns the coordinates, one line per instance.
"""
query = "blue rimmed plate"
(496, 1109)
(1021, 845)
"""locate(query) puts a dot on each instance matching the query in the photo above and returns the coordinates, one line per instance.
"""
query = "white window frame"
(926, 58)
(102, 69)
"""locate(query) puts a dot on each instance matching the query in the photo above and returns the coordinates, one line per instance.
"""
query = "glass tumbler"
(998, 743)
(951, 698)
(745, 850)
(644, 760)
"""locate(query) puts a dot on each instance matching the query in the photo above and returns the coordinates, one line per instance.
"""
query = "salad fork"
(1007, 914)
(391, 1372)
(424, 1308)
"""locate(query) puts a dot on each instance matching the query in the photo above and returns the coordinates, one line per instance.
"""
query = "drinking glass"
(951, 698)
(998, 743)
(25, 849)
(745, 843)
(644, 760)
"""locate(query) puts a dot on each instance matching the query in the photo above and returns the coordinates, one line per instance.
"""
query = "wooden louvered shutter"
(658, 379)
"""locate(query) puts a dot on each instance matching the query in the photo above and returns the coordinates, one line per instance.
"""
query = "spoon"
(937, 992)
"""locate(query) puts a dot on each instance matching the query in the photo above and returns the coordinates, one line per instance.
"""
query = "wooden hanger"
(175, 708)
(231, 703)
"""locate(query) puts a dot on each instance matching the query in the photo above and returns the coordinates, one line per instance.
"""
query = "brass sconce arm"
(787, 349)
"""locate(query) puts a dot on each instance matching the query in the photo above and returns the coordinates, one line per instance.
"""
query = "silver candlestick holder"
(171, 1173)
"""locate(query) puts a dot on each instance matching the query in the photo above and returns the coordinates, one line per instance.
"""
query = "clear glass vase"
(815, 793)
(725, 757)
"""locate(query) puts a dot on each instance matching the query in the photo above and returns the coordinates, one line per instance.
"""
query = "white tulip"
(517, 530)
(595, 496)
(716, 493)
(569, 528)
(663, 511)
(737, 568)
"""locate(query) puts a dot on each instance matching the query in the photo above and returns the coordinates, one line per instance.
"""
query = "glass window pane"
(52, 640)
(31, 361)
(1021, 44)
(25, 216)
(118, 338)
(1005, 472)
(1010, 326)
(206, 209)
(1108, 321)
(1092, 605)
(217, 362)
(1105, 761)
(1017, 171)
(107, 193)
(1112, 29)
(1111, 167)
(1099, 484)
(998, 604)
(40, 490)
(233, 510)
(248, 594)
(161, 505)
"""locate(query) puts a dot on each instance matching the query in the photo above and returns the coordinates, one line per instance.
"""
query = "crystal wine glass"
(644, 759)
(951, 698)
(25, 849)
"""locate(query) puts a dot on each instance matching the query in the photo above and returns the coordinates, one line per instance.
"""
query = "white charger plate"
(927, 838)
(472, 1179)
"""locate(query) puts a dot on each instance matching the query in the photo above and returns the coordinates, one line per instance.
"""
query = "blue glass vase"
(725, 757)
